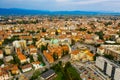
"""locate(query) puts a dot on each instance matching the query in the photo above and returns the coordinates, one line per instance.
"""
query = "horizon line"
(64, 10)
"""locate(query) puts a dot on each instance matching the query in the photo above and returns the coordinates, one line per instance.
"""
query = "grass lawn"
(72, 72)
(59, 76)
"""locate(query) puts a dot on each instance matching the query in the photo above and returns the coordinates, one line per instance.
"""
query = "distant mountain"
(15, 11)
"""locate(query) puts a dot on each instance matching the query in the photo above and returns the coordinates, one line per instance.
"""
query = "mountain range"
(17, 11)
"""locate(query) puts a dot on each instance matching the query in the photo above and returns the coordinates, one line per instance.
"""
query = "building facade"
(109, 68)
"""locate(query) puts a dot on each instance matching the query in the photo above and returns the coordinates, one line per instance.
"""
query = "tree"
(35, 75)
(68, 64)
(55, 56)
(60, 63)
(89, 32)
(118, 24)
(43, 48)
(109, 56)
(65, 52)
(31, 58)
(56, 32)
(72, 42)
(34, 40)
(96, 55)
(82, 29)
(40, 58)
(100, 34)
(7, 41)
(68, 72)
(108, 23)
(1, 62)
(43, 30)
(16, 60)
(31, 32)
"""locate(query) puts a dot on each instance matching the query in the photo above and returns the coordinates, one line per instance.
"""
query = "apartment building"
(109, 68)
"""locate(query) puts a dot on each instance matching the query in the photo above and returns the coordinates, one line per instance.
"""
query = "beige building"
(20, 44)
(113, 50)
(83, 55)
(8, 50)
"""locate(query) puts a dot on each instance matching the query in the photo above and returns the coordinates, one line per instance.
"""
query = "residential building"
(113, 50)
(8, 50)
(100, 50)
(32, 50)
(4, 75)
(15, 70)
(1, 54)
(83, 55)
(26, 67)
(48, 56)
(22, 58)
(37, 65)
(8, 58)
(109, 68)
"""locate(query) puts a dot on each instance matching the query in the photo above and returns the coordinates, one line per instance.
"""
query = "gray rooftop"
(48, 74)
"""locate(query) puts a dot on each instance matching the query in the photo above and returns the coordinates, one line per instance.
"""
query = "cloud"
(80, 1)
(89, 1)
(84, 5)
(62, 0)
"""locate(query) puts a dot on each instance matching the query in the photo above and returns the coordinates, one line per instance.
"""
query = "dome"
(54, 41)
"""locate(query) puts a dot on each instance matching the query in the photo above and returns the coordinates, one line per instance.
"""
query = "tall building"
(20, 44)
(109, 68)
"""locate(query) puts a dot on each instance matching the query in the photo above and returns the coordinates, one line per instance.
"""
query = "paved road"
(30, 73)
(63, 59)
(44, 59)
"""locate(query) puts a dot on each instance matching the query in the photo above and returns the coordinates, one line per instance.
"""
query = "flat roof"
(48, 74)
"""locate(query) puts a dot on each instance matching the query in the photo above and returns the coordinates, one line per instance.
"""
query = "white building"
(36, 65)
(100, 50)
(20, 44)
(117, 74)
(99, 62)
(108, 67)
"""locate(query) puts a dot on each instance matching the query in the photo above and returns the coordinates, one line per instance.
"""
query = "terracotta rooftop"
(75, 52)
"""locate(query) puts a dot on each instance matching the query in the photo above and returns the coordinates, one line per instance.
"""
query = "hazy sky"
(57, 5)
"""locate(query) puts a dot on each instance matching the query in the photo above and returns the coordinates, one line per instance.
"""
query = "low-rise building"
(37, 65)
(22, 58)
(15, 70)
(48, 56)
(8, 58)
(8, 50)
(113, 50)
(1, 54)
(83, 55)
(4, 75)
(48, 75)
(32, 50)
(100, 50)
(26, 67)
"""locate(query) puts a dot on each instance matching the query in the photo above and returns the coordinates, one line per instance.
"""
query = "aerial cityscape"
(59, 40)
